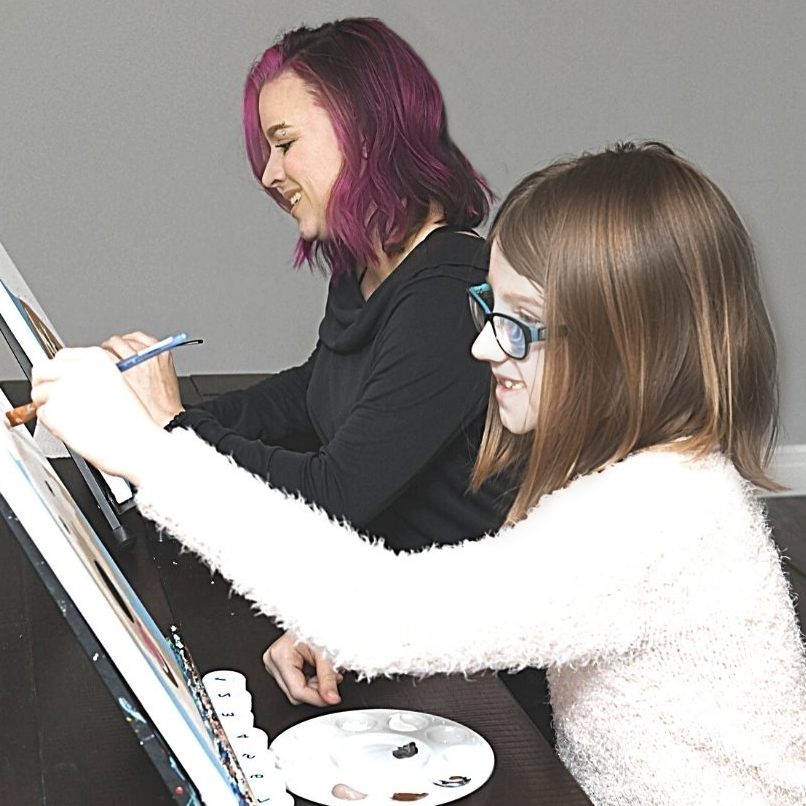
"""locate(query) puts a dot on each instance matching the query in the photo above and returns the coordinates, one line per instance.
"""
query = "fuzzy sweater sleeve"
(586, 575)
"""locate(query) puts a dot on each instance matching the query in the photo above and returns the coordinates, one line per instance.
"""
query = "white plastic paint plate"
(387, 755)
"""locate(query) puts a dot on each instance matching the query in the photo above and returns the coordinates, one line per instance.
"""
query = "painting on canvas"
(37, 338)
(162, 679)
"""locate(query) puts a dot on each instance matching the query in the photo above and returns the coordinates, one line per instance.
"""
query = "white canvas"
(114, 613)
(15, 297)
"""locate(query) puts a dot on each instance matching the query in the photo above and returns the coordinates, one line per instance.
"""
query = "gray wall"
(126, 201)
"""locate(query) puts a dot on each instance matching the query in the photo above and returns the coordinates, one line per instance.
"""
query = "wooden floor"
(788, 519)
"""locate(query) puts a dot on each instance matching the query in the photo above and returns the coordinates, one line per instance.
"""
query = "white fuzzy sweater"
(651, 592)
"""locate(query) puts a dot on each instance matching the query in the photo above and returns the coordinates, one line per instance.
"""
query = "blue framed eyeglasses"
(512, 335)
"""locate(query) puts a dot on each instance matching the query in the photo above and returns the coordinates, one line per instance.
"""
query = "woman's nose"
(273, 173)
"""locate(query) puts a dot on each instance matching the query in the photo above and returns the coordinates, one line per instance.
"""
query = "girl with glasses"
(636, 567)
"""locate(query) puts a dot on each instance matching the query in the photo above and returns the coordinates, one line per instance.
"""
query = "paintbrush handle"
(26, 413)
(21, 414)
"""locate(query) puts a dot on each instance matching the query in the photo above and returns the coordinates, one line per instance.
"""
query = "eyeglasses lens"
(477, 308)
(510, 336)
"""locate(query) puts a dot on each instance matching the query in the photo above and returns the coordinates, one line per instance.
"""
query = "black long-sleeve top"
(394, 397)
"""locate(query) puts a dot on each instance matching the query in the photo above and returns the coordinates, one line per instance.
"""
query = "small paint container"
(224, 680)
(238, 702)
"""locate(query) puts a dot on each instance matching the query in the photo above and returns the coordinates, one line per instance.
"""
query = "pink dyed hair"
(389, 117)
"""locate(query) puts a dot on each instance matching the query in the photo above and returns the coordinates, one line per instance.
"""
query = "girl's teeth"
(295, 198)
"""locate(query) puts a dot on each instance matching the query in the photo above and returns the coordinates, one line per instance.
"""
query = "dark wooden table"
(63, 741)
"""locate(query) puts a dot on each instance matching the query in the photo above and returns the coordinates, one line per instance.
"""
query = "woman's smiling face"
(517, 382)
(305, 158)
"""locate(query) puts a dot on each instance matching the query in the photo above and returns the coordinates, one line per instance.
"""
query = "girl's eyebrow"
(520, 299)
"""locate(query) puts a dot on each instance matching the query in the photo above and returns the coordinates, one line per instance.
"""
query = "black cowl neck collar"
(350, 321)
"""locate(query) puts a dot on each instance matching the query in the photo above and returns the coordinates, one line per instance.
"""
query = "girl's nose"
(486, 347)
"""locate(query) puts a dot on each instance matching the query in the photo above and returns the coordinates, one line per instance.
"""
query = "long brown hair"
(650, 277)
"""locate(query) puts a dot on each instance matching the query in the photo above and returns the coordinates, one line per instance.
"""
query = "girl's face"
(517, 382)
(305, 159)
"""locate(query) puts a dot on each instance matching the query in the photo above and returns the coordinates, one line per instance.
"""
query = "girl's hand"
(287, 660)
(83, 399)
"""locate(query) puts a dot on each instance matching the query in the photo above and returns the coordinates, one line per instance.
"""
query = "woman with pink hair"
(345, 128)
